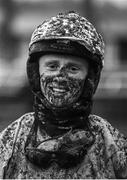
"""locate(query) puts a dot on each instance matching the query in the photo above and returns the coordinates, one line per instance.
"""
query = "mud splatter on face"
(61, 90)
(62, 78)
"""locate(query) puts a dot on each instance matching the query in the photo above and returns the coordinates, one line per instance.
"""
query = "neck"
(57, 121)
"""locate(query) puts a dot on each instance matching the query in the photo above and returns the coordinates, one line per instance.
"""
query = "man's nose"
(61, 76)
(63, 71)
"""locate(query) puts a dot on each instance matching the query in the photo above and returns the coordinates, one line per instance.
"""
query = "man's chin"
(60, 104)
(61, 99)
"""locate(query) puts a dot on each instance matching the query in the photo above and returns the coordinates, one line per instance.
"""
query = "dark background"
(18, 19)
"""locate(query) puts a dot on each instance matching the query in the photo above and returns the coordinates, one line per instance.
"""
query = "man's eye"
(74, 68)
(52, 67)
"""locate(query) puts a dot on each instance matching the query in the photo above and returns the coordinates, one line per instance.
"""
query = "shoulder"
(113, 138)
(115, 143)
(98, 121)
(8, 135)
(25, 120)
(100, 125)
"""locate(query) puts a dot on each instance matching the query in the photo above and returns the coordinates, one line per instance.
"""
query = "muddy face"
(62, 78)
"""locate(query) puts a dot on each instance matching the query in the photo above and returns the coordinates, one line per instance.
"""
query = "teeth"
(59, 90)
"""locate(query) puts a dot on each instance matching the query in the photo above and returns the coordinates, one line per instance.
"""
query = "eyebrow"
(55, 62)
(73, 64)
(52, 62)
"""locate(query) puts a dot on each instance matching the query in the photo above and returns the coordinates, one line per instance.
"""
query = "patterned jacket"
(105, 158)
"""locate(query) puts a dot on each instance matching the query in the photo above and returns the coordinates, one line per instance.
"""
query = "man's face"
(62, 78)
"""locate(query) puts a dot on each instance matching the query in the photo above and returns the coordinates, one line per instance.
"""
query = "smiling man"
(61, 139)
(62, 78)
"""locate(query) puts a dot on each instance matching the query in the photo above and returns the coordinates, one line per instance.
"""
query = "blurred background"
(18, 19)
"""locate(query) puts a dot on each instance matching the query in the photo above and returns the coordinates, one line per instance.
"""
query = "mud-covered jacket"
(105, 158)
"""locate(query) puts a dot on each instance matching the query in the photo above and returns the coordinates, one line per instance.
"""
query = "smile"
(58, 90)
